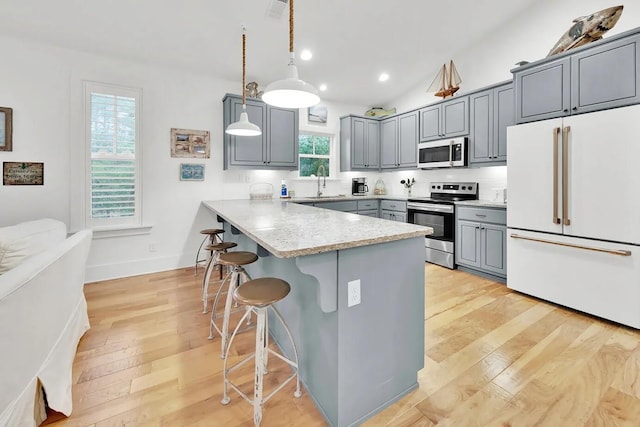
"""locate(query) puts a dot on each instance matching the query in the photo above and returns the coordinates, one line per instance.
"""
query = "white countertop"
(338, 198)
(482, 203)
(290, 230)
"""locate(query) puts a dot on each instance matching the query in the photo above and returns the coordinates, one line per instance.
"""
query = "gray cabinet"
(359, 143)
(594, 77)
(276, 148)
(399, 141)
(491, 111)
(393, 210)
(481, 240)
(446, 119)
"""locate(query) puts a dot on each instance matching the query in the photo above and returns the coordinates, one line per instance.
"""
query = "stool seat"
(220, 246)
(262, 292)
(210, 231)
(237, 258)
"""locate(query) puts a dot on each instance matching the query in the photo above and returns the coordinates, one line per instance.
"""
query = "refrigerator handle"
(556, 134)
(565, 175)
(620, 252)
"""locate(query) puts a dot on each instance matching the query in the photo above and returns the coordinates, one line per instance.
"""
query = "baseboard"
(482, 274)
(96, 273)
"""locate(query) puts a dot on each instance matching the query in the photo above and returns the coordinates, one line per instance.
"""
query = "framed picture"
(6, 119)
(22, 173)
(191, 172)
(190, 143)
(317, 114)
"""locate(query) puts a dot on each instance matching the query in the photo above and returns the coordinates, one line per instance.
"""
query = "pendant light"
(291, 92)
(243, 127)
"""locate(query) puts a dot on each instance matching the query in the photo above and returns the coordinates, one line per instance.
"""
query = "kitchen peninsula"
(354, 360)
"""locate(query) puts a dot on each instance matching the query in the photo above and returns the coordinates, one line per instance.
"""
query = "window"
(315, 150)
(112, 138)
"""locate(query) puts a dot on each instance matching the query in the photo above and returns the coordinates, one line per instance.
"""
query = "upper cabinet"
(594, 77)
(276, 148)
(399, 141)
(491, 111)
(445, 120)
(359, 143)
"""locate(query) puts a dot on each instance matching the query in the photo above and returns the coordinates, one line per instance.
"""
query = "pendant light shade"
(291, 92)
(243, 127)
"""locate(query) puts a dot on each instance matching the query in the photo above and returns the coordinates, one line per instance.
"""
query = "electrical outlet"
(353, 293)
(152, 247)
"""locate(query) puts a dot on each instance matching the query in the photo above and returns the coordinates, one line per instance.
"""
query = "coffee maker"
(359, 187)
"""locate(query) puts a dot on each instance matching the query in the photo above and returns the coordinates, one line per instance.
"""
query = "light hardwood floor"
(492, 357)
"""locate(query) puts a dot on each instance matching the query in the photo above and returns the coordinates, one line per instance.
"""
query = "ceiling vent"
(276, 8)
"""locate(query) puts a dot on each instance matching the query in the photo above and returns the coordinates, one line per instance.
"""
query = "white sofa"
(43, 314)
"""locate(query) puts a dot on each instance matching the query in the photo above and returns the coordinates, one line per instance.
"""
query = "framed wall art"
(191, 172)
(22, 173)
(6, 123)
(190, 143)
(317, 114)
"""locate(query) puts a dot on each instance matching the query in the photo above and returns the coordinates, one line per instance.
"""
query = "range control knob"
(464, 188)
(438, 187)
(433, 186)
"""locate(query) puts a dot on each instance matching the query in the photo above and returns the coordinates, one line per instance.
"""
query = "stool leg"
(245, 278)
(259, 364)
(227, 309)
(297, 393)
(233, 284)
(225, 380)
(205, 279)
(198, 255)
(266, 343)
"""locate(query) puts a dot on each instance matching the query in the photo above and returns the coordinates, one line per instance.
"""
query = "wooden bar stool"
(214, 235)
(216, 250)
(259, 295)
(234, 260)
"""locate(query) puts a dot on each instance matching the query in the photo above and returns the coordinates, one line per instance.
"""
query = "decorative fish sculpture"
(587, 29)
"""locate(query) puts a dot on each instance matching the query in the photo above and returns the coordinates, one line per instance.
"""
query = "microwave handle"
(451, 153)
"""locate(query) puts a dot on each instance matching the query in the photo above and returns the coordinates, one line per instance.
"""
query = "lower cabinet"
(393, 210)
(481, 240)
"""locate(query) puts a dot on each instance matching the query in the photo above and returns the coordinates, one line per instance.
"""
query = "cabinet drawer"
(373, 213)
(496, 216)
(346, 206)
(393, 205)
(367, 205)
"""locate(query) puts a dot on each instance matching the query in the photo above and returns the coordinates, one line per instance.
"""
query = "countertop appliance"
(445, 153)
(438, 212)
(359, 187)
(573, 221)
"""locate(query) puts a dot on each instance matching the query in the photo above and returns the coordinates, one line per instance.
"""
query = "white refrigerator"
(574, 212)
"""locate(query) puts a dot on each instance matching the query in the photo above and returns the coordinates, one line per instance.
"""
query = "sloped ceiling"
(353, 41)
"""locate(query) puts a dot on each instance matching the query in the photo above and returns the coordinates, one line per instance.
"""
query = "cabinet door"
(606, 76)
(247, 150)
(493, 251)
(430, 123)
(481, 134)
(543, 92)
(282, 137)
(387, 215)
(373, 213)
(455, 117)
(504, 116)
(408, 140)
(389, 143)
(372, 146)
(400, 217)
(467, 247)
(358, 138)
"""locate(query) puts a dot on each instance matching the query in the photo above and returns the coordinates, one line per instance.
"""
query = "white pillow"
(28, 238)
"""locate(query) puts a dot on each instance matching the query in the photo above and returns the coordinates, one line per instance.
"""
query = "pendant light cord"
(244, 64)
(290, 26)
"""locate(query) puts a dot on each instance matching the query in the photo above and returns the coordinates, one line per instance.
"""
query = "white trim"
(122, 231)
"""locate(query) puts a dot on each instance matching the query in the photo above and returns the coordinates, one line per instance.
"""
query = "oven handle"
(422, 207)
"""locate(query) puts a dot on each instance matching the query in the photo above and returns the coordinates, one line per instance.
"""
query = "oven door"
(439, 246)
(442, 154)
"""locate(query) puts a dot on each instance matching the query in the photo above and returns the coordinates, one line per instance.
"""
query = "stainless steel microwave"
(444, 153)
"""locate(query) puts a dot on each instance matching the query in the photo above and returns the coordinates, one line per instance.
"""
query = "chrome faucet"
(324, 176)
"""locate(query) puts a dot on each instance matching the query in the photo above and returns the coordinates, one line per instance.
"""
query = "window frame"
(116, 223)
(331, 156)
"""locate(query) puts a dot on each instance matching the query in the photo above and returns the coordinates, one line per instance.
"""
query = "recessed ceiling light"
(323, 87)
(306, 55)
(383, 77)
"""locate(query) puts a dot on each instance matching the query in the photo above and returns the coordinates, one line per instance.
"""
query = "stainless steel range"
(438, 212)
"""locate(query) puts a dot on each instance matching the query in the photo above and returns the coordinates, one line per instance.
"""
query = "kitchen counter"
(482, 203)
(355, 357)
(289, 230)
(337, 198)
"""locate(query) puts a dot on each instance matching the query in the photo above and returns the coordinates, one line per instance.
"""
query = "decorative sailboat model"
(447, 82)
